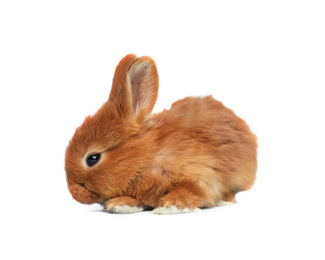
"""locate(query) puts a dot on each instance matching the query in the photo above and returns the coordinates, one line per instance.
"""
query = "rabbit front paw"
(123, 205)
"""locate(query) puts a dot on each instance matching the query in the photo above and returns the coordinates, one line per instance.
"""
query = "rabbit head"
(96, 166)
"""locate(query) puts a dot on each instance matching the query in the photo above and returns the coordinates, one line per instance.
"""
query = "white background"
(263, 59)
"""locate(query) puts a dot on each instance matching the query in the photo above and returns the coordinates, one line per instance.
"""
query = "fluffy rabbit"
(197, 154)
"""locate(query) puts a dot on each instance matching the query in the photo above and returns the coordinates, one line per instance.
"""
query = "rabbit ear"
(144, 83)
(138, 93)
(120, 71)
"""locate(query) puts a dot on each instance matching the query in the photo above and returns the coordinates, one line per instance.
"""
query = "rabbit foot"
(183, 198)
(225, 203)
(173, 210)
(123, 205)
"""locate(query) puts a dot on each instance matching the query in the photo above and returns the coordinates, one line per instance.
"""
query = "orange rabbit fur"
(196, 154)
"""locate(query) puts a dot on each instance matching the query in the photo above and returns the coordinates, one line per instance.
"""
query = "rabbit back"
(201, 140)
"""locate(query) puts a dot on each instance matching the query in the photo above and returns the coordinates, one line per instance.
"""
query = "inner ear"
(139, 91)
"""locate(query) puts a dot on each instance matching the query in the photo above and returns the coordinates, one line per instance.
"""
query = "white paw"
(173, 210)
(125, 209)
(224, 203)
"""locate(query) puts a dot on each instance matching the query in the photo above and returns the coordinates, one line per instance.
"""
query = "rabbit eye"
(92, 159)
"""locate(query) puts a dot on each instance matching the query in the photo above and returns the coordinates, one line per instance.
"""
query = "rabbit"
(198, 154)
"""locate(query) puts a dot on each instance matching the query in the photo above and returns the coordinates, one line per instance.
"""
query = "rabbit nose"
(83, 195)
